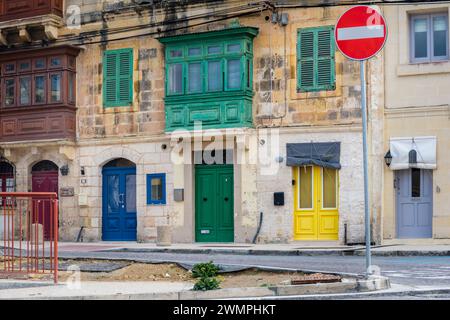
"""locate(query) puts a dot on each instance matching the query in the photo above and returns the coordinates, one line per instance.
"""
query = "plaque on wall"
(67, 192)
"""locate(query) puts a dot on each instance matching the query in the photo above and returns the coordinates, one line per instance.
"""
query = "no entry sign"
(360, 32)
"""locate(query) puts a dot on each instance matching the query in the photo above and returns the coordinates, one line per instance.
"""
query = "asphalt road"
(417, 271)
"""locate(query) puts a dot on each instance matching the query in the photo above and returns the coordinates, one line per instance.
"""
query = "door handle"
(226, 199)
(205, 199)
(122, 199)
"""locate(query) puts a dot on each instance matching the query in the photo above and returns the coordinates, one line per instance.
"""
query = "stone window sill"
(416, 69)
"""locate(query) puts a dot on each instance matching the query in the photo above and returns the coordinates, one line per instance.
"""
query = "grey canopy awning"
(324, 154)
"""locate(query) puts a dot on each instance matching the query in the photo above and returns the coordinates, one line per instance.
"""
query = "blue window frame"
(156, 188)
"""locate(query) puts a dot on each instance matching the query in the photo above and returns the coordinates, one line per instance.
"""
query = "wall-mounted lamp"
(388, 158)
(64, 170)
(279, 159)
(262, 142)
(82, 171)
(164, 146)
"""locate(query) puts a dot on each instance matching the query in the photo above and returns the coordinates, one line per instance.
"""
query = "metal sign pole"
(366, 173)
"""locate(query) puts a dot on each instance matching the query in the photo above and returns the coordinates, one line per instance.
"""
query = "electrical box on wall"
(82, 200)
(278, 198)
(178, 195)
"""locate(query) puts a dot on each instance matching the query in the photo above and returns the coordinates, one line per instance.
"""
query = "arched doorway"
(44, 178)
(119, 222)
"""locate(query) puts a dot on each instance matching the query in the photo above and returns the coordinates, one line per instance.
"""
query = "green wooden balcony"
(209, 79)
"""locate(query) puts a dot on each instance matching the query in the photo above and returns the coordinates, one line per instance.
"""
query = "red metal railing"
(30, 233)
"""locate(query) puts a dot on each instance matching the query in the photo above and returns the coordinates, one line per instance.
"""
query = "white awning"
(425, 153)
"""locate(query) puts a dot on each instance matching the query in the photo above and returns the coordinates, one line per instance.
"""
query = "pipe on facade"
(261, 217)
(80, 235)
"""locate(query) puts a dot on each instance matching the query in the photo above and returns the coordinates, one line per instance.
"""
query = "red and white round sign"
(360, 32)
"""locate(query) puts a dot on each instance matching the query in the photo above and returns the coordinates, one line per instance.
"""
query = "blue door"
(119, 204)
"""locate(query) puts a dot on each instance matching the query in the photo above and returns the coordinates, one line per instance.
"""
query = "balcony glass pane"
(195, 51)
(71, 93)
(39, 89)
(214, 76)
(215, 50)
(24, 66)
(234, 74)
(10, 88)
(176, 78)
(176, 53)
(55, 62)
(234, 48)
(25, 90)
(195, 77)
(55, 87)
(39, 64)
(10, 68)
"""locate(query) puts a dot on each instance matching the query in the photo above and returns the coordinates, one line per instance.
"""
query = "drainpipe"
(261, 217)
(80, 235)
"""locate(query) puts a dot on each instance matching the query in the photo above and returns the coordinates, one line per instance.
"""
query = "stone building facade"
(415, 201)
(160, 85)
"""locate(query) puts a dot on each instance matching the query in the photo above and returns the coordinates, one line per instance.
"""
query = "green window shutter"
(109, 78)
(306, 60)
(125, 77)
(118, 78)
(316, 62)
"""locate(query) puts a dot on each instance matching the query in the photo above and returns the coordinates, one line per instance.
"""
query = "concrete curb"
(262, 252)
(349, 286)
(296, 252)
(405, 253)
(368, 295)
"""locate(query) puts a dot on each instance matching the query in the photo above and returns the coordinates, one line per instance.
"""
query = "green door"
(214, 203)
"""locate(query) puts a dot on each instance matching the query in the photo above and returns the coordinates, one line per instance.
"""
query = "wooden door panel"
(225, 200)
(315, 223)
(414, 205)
(214, 203)
(44, 181)
(305, 226)
(205, 206)
(119, 205)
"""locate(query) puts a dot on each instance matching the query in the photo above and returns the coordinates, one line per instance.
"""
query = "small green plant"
(206, 273)
(205, 270)
(204, 284)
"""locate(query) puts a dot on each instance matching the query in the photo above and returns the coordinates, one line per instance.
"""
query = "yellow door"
(316, 215)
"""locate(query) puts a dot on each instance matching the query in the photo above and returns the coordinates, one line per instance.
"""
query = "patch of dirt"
(137, 272)
(257, 278)
(174, 273)
(171, 272)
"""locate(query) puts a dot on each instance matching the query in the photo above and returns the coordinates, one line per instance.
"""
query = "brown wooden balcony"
(25, 21)
(37, 123)
(38, 94)
(19, 9)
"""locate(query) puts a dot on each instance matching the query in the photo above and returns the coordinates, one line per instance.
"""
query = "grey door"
(414, 189)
